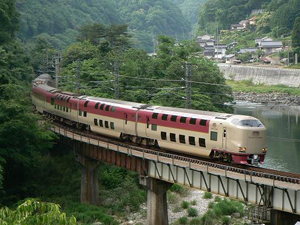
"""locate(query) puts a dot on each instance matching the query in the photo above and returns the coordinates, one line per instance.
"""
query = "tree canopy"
(296, 33)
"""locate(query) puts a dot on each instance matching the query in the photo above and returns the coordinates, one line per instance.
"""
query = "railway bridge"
(275, 193)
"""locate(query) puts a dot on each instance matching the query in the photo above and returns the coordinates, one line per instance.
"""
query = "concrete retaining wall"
(262, 75)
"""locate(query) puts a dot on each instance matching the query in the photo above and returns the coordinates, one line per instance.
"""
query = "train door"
(125, 122)
(224, 139)
(147, 126)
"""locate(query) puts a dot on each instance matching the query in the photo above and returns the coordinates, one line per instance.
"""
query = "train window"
(182, 119)
(213, 136)
(148, 123)
(163, 135)
(202, 142)
(107, 108)
(52, 101)
(173, 118)
(80, 112)
(96, 122)
(155, 116)
(154, 127)
(172, 137)
(54, 106)
(203, 123)
(250, 123)
(101, 123)
(64, 108)
(113, 109)
(182, 139)
(85, 114)
(67, 109)
(164, 117)
(193, 121)
(102, 107)
(86, 103)
(112, 125)
(97, 104)
(106, 124)
(192, 140)
(60, 107)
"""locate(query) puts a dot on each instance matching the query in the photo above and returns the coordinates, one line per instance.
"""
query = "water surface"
(283, 127)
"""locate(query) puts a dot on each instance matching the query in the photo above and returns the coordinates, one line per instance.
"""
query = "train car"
(236, 138)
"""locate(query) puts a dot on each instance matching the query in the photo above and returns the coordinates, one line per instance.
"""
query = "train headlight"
(264, 150)
(242, 149)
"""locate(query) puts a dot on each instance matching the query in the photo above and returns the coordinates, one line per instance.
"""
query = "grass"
(185, 204)
(207, 195)
(183, 220)
(181, 190)
(192, 212)
(249, 86)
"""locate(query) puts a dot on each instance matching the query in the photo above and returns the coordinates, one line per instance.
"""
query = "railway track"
(243, 169)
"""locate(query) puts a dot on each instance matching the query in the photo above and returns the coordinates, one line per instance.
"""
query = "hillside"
(190, 9)
(278, 18)
(58, 21)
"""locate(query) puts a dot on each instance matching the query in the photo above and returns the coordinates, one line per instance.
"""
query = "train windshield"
(249, 123)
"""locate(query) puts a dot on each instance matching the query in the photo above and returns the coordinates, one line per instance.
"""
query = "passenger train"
(235, 138)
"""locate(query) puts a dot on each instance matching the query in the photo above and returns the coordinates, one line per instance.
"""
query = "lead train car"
(241, 139)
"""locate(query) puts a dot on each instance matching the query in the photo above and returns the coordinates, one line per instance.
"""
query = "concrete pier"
(89, 180)
(157, 206)
(283, 218)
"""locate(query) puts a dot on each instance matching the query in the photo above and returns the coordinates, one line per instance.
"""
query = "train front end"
(248, 140)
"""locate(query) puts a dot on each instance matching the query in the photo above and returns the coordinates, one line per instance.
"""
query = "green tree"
(8, 20)
(35, 212)
(296, 33)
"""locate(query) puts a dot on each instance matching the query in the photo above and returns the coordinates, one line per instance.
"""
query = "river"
(283, 127)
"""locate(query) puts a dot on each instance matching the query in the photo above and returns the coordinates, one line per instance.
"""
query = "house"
(244, 23)
(220, 51)
(252, 51)
(252, 21)
(232, 45)
(259, 40)
(271, 46)
(205, 40)
(237, 27)
(230, 58)
(209, 52)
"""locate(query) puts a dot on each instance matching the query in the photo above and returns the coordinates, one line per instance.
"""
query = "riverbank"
(267, 98)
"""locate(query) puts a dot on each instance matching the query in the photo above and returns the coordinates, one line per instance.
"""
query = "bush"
(211, 205)
(173, 198)
(225, 220)
(176, 188)
(207, 195)
(209, 218)
(192, 212)
(195, 221)
(194, 202)
(218, 199)
(226, 207)
(185, 204)
(183, 220)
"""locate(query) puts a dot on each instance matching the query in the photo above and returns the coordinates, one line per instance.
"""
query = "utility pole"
(188, 74)
(116, 75)
(78, 66)
(57, 70)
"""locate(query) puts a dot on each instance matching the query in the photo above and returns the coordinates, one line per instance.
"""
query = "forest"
(36, 170)
(59, 21)
(278, 16)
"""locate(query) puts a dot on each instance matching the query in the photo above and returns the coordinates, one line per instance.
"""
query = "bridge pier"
(157, 207)
(89, 180)
(283, 218)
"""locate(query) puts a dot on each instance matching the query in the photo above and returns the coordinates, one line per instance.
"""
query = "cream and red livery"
(236, 138)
